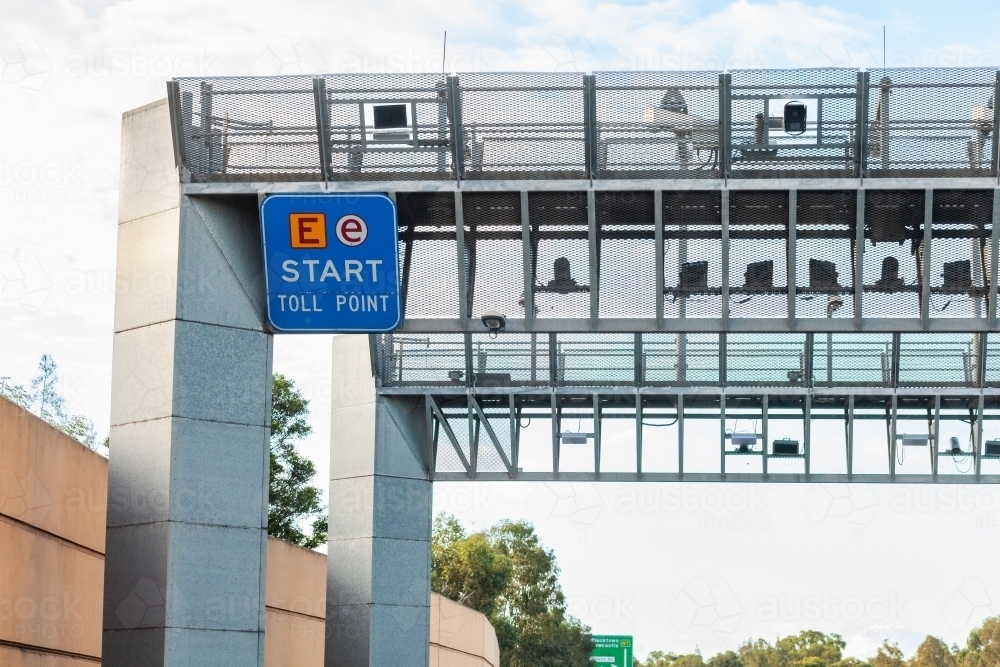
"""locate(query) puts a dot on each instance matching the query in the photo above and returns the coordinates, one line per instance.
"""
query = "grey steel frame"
(550, 403)
(452, 142)
(469, 322)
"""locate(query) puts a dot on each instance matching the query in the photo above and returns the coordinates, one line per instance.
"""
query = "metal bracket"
(725, 138)
(590, 124)
(995, 164)
(790, 262)
(658, 240)
(595, 272)
(925, 277)
(859, 255)
(457, 136)
(322, 127)
(861, 127)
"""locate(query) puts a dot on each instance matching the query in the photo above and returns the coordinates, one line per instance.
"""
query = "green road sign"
(612, 651)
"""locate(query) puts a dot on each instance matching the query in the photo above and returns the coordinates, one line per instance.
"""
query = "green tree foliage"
(292, 499)
(888, 655)
(933, 652)
(508, 575)
(661, 659)
(810, 648)
(45, 401)
(983, 646)
(724, 659)
(815, 649)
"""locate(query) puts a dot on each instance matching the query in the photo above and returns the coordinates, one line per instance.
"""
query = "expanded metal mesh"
(825, 238)
(489, 459)
(359, 151)
(938, 360)
(766, 360)
(920, 122)
(669, 359)
(586, 360)
(424, 361)
(852, 359)
(758, 254)
(626, 251)
(680, 359)
(930, 122)
(692, 254)
(459, 422)
(960, 252)
(510, 359)
(523, 125)
(892, 259)
(657, 124)
(560, 252)
(991, 375)
(446, 459)
(760, 145)
(248, 128)
(428, 255)
(494, 257)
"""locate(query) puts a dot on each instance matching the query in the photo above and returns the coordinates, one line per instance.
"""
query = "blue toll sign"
(331, 263)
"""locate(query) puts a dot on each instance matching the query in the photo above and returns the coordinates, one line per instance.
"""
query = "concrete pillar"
(187, 515)
(378, 578)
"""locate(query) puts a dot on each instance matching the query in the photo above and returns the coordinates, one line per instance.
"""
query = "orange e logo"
(308, 230)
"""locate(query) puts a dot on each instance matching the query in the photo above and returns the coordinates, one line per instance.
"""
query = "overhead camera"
(795, 118)
(494, 321)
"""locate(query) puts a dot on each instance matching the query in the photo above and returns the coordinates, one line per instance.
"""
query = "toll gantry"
(736, 257)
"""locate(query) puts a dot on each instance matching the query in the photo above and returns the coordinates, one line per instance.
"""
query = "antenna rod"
(883, 46)
(444, 51)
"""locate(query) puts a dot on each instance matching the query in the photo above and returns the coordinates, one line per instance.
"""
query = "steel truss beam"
(673, 408)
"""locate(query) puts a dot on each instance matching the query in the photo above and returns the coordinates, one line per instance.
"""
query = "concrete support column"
(187, 515)
(378, 579)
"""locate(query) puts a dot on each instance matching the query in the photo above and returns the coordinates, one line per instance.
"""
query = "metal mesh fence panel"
(447, 459)
(894, 221)
(960, 253)
(523, 125)
(626, 251)
(458, 420)
(415, 144)
(657, 124)
(991, 375)
(758, 254)
(692, 254)
(852, 360)
(680, 359)
(937, 360)
(762, 147)
(248, 128)
(588, 360)
(766, 359)
(930, 122)
(560, 252)
(489, 460)
(510, 359)
(428, 255)
(824, 250)
(493, 254)
(421, 360)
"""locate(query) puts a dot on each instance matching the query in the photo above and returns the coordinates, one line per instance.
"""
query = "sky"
(682, 567)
